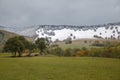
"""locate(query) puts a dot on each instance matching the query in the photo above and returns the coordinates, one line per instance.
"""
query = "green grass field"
(79, 44)
(59, 68)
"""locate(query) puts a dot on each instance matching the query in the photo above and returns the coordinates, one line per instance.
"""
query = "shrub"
(56, 51)
(68, 40)
(95, 52)
(74, 51)
(84, 48)
(117, 55)
(110, 52)
(82, 53)
(107, 52)
(68, 52)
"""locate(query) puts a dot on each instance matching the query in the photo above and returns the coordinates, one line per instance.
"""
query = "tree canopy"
(41, 44)
(16, 45)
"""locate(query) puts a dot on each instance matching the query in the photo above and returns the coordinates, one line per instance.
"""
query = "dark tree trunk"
(19, 54)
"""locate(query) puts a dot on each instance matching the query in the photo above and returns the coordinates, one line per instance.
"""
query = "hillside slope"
(5, 35)
(62, 33)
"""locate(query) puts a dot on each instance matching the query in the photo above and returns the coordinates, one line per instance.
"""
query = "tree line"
(18, 44)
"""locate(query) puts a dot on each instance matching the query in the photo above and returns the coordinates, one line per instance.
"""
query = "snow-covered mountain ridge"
(61, 32)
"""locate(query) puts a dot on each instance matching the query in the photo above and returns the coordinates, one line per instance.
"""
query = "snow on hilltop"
(61, 32)
(65, 33)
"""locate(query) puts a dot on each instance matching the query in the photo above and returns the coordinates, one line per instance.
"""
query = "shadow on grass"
(24, 56)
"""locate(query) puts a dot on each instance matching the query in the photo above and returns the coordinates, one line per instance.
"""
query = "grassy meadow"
(59, 68)
(87, 43)
(51, 67)
(76, 44)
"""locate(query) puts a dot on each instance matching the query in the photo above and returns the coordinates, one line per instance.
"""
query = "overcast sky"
(68, 12)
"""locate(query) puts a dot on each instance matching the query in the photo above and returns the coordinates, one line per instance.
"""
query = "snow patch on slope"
(62, 34)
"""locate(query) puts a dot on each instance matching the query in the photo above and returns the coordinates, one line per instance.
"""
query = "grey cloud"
(71, 12)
